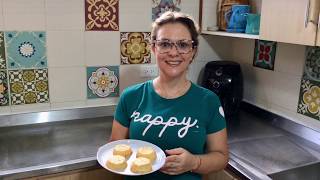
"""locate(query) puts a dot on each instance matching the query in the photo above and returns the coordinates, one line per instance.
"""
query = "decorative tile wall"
(102, 82)
(23, 68)
(161, 6)
(4, 93)
(26, 49)
(135, 47)
(309, 98)
(70, 41)
(264, 54)
(29, 86)
(102, 15)
(3, 64)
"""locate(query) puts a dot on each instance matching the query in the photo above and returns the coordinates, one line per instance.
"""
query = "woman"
(182, 118)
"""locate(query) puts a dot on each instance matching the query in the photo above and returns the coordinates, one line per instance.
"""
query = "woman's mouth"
(173, 63)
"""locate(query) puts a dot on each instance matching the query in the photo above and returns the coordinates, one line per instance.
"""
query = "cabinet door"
(288, 21)
(318, 33)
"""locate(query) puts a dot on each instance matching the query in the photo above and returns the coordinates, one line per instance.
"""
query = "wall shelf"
(238, 35)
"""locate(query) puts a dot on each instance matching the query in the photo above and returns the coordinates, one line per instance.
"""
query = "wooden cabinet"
(318, 34)
(289, 21)
(221, 175)
(100, 173)
(83, 174)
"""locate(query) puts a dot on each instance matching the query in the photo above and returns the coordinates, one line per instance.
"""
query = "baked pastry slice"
(147, 152)
(141, 165)
(117, 163)
(122, 150)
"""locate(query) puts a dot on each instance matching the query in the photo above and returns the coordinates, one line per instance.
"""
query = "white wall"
(278, 90)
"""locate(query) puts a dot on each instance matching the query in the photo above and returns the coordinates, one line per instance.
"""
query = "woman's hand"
(179, 161)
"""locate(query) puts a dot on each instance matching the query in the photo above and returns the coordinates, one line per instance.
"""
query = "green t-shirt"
(170, 123)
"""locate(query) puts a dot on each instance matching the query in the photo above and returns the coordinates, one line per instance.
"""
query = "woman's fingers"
(176, 151)
(172, 169)
(178, 161)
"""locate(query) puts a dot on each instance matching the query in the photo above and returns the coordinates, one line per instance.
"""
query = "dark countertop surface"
(256, 147)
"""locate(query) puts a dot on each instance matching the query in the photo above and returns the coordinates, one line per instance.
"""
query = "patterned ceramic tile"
(2, 52)
(102, 15)
(4, 93)
(29, 86)
(309, 99)
(102, 82)
(135, 47)
(26, 49)
(161, 6)
(264, 54)
(312, 65)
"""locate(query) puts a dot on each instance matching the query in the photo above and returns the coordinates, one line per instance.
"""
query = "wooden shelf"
(238, 35)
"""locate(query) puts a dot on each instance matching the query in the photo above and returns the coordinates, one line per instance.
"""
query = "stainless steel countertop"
(257, 148)
(45, 145)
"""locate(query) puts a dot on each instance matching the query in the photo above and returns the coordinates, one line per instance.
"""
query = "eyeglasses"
(182, 46)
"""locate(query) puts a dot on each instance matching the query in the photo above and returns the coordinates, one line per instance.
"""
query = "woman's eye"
(183, 45)
(164, 44)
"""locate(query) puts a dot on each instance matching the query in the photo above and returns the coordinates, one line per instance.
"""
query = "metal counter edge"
(56, 115)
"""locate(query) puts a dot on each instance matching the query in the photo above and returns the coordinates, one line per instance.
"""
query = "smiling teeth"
(173, 62)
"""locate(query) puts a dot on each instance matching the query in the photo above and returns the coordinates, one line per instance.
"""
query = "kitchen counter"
(257, 147)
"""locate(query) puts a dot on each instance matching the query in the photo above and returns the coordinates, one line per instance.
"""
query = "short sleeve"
(121, 114)
(217, 120)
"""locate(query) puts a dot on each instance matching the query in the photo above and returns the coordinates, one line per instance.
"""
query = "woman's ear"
(153, 48)
(194, 51)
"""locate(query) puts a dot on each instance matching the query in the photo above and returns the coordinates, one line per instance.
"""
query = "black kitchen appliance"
(225, 79)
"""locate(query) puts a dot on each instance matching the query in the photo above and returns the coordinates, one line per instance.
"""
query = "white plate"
(105, 151)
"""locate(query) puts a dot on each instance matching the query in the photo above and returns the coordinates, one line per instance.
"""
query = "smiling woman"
(183, 119)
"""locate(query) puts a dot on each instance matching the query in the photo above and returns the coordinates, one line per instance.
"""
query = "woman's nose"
(174, 50)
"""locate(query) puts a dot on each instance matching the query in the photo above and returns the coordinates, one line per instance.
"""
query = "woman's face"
(174, 61)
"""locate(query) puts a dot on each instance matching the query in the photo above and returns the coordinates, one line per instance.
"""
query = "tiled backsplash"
(278, 90)
(70, 50)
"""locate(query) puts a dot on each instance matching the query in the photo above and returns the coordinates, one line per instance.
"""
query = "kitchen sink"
(310, 172)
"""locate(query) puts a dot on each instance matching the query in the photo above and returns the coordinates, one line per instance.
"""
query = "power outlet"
(149, 70)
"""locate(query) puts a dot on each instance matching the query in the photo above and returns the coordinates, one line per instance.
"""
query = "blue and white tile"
(102, 82)
(26, 49)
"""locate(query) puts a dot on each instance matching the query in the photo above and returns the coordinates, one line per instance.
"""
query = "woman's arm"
(118, 131)
(217, 155)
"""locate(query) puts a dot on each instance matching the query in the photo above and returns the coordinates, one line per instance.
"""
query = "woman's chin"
(173, 73)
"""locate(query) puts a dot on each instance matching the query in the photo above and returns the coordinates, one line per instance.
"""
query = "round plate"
(105, 151)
